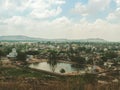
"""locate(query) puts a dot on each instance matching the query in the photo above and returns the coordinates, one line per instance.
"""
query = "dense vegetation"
(20, 77)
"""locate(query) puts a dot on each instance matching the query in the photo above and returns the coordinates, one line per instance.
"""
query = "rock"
(102, 82)
(115, 80)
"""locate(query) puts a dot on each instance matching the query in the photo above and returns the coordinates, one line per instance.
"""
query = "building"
(13, 54)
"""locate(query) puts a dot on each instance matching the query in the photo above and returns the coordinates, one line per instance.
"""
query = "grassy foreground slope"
(27, 79)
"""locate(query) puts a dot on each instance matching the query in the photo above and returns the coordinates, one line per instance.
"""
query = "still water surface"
(56, 68)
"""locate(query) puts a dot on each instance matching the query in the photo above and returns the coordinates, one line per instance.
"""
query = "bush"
(21, 56)
(62, 70)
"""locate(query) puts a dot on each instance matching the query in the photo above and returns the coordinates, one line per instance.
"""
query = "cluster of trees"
(109, 55)
(73, 54)
(52, 59)
(23, 55)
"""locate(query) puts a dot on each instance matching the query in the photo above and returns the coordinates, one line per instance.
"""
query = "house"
(13, 54)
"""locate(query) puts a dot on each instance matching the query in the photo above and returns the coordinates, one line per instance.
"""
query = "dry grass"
(25, 79)
(39, 84)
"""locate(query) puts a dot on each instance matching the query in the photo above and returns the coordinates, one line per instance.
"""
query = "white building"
(12, 54)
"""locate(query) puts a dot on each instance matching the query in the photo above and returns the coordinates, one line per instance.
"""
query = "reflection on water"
(47, 67)
(53, 64)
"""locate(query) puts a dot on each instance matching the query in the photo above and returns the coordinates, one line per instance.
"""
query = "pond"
(68, 68)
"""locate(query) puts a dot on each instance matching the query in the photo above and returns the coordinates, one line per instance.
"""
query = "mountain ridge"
(27, 38)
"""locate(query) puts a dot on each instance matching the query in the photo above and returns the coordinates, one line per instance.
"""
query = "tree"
(52, 59)
(78, 59)
(62, 70)
(109, 55)
(1, 54)
(32, 52)
(21, 56)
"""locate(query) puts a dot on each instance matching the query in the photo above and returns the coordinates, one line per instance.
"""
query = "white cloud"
(59, 2)
(92, 7)
(99, 29)
(117, 2)
(37, 8)
(80, 9)
(15, 20)
(114, 16)
(45, 13)
(44, 8)
(14, 5)
(61, 27)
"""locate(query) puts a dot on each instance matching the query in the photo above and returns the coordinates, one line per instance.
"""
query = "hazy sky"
(70, 19)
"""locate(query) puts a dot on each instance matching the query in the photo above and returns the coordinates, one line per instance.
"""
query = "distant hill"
(26, 38)
(95, 40)
(18, 38)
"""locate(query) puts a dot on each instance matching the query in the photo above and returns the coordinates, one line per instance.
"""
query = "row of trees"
(53, 55)
(70, 54)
